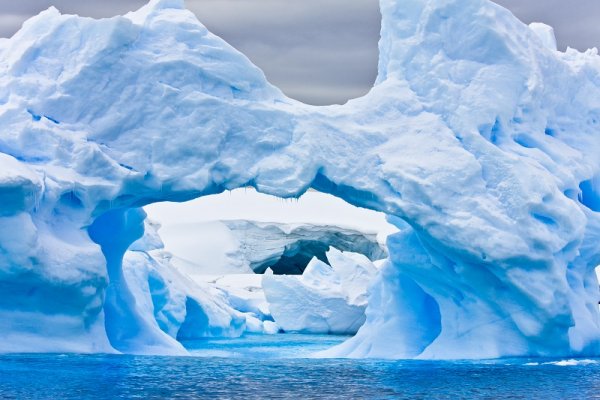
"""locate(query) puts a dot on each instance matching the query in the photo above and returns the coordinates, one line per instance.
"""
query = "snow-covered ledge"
(478, 140)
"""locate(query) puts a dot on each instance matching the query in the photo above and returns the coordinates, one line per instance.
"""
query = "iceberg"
(178, 307)
(324, 299)
(286, 249)
(478, 140)
(244, 293)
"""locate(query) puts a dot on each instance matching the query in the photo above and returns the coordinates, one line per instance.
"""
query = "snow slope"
(478, 140)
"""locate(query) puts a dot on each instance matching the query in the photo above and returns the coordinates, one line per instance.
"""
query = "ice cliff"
(179, 307)
(478, 139)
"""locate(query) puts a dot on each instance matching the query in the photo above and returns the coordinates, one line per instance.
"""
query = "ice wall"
(478, 140)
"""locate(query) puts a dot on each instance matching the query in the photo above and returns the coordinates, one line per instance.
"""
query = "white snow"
(243, 291)
(478, 141)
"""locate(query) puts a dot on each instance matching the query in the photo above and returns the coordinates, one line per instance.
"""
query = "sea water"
(263, 367)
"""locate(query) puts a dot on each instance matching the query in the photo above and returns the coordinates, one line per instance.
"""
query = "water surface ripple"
(56, 376)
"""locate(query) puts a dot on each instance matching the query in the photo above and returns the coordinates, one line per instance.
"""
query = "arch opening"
(306, 273)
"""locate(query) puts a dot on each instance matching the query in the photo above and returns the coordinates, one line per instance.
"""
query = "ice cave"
(479, 142)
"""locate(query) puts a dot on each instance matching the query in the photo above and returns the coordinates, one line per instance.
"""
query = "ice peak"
(545, 33)
(52, 10)
(165, 4)
(471, 30)
(153, 7)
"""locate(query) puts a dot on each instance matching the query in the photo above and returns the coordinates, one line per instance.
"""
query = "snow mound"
(477, 140)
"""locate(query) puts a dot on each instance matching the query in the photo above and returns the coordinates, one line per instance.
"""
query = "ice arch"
(241, 231)
(476, 138)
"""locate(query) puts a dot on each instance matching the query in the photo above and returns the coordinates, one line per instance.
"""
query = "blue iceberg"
(479, 140)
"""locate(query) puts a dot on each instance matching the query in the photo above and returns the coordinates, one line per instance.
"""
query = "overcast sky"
(317, 51)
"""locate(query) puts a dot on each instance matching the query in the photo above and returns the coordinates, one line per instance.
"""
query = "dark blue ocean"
(265, 367)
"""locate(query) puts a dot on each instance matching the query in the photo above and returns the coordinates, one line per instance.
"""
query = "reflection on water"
(264, 346)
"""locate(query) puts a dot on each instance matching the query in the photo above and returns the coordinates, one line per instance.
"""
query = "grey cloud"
(14, 13)
(10, 23)
(299, 70)
(575, 21)
(88, 8)
(324, 95)
(318, 51)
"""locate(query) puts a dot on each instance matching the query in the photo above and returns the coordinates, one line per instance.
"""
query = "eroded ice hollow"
(478, 139)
